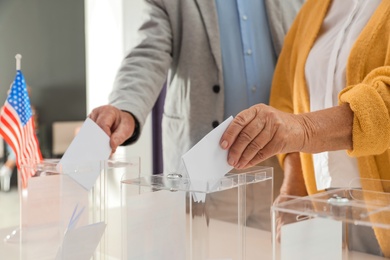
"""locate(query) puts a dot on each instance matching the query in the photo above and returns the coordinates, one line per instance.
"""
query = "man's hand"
(118, 125)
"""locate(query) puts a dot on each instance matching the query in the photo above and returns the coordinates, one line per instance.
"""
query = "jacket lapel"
(208, 12)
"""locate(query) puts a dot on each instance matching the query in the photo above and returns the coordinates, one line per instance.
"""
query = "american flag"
(17, 127)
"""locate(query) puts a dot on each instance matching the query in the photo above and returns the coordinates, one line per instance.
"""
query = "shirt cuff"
(136, 133)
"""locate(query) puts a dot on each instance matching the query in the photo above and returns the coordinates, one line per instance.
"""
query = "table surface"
(219, 240)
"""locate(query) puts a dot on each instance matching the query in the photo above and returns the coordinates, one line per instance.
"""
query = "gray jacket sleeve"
(281, 14)
(144, 69)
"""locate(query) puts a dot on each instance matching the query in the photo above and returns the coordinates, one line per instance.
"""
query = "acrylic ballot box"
(64, 210)
(350, 223)
(171, 217)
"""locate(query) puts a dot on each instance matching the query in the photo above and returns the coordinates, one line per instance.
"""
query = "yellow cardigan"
(367, 92)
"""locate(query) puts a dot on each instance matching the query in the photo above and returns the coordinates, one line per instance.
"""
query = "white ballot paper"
(80, 243)
(156, 226)
(316, 238)
(206, 162)
(81, 160)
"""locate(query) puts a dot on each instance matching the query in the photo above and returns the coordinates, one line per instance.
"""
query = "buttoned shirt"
(248, 56)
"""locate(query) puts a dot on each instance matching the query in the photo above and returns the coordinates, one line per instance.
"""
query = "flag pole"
(18, 58)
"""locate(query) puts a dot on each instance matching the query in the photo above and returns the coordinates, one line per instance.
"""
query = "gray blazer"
(180, 44)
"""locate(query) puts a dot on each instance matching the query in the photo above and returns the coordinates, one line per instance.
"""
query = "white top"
(325, 70)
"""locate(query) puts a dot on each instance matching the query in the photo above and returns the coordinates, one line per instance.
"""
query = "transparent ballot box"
(348, 223)
(172, 217)
(64, 209)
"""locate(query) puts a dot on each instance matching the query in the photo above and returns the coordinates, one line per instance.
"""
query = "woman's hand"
(261, 131)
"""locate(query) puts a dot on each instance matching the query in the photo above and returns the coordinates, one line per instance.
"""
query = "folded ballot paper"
(206, 162)
(81, 162)
(80, 242)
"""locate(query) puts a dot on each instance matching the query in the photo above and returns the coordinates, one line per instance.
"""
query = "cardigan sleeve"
(370, 102)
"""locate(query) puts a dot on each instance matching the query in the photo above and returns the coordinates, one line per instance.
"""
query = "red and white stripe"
(22, 140)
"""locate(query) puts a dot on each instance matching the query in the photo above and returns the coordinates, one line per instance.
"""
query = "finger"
(264, 146)
(106, 123)
(251, 139)
(257, 150)
(93, 115)
(260, 156)
(123, 131)
(236, 126)
(98, 111)
(107, 118)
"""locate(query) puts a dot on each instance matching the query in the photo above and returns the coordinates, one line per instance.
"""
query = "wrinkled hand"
(260, 132)
(117, 124)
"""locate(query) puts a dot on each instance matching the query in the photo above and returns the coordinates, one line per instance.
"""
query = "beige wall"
(111, 30)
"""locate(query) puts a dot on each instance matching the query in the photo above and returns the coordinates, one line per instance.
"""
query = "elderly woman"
(330, 115)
